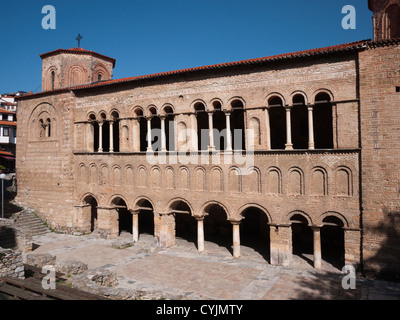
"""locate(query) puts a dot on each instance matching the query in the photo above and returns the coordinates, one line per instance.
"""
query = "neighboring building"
(321, 175)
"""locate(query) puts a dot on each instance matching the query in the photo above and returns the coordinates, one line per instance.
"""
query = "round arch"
(243, 208)
(173, 203)
(336, 215)
(293, 213)
(274, 95)
(196, 103)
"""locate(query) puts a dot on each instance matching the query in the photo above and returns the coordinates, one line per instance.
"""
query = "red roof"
(77, 51)
(8, 123)
(286, 56)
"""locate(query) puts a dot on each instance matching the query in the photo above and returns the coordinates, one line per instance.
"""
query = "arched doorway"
(91, 214)
(332, 241)
(217, 228)
(302, 239)
(145, 217)
(254, 232)
(124, 216)
(185, 224)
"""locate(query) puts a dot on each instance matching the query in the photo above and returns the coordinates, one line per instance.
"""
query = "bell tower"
(386, 19)
(65, 68)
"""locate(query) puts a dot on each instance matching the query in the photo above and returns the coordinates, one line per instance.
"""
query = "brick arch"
(139, 199)
(257, 206)
(174, 201)
(335, 214)
(195, 102)
(138, 109)
(76, 76)
(85, 195)
(205, 206)
(298, 92)
(301, 213)
(329, 92)
(43, 111)
(115, 197)
(275, 94)
(233, 99)
(100, 69)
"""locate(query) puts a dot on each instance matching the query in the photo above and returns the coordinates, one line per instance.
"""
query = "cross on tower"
(79, 38)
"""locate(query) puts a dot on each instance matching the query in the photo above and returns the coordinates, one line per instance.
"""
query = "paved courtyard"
(181, 272)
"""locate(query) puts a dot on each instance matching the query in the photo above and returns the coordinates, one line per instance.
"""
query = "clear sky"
(150, 36)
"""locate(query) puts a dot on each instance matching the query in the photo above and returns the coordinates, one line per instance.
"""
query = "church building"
(299, 151)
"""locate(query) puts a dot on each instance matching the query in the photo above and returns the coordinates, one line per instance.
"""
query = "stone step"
(31, 224)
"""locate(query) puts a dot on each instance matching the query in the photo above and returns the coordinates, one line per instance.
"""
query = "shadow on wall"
(323, 287)
(385, 264)
(8, 238)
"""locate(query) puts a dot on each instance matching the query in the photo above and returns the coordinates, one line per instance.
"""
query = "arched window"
(169, 128)
(53, 78)
(115, 128)
(277, 122)
(299, 121)
(219, 124)
(393, 16)
(323, 122)
(202, 126)
(95, 131)
(237, 125)
(48, 128)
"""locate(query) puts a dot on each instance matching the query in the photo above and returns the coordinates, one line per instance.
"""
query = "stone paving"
(181, 272)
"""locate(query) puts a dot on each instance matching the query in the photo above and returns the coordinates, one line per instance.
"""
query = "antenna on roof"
(79, 38)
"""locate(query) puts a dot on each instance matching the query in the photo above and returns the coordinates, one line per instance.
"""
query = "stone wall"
(11, 264)
(380, 157)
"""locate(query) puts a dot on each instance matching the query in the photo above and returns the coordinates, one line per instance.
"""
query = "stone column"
(135, 225)
(267, 129)
(228, 131)
(149, 134)
(280, 245)
(163, 135)
(317, 247)
(101, 136)
(211, 146)
(82, 216)
(111, 136)
(107, 222)
(200, 233)
(311, 144)
(236, 238)
(289, 145)
(164, 229)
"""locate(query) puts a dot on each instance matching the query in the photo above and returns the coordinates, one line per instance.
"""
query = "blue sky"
(150, 36)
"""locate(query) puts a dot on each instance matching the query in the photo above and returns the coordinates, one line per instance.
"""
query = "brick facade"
(322, 153)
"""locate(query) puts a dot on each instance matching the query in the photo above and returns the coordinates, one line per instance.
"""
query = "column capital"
(134, 211)
(199, 218)
(235, 222)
